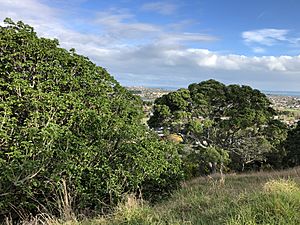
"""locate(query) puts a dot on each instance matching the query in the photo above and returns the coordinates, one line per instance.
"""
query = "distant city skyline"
(174, 43)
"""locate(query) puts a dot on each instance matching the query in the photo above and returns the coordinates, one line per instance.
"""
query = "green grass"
(256, 198)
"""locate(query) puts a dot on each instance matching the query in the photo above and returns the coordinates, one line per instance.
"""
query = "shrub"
(69, 132)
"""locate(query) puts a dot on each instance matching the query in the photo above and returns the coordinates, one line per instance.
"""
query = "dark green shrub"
(292, 147)
(68, 128)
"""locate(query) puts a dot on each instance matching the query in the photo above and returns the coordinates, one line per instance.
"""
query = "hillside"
(253, 198)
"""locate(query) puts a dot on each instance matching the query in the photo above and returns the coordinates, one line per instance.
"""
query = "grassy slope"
(257, 198)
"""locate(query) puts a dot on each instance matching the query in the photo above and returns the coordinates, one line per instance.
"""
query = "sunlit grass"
(253, 198)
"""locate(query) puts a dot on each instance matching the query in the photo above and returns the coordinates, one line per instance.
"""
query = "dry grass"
(282, 185)
(253, 198)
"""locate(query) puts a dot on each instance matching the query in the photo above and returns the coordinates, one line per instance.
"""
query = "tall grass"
(254, 198)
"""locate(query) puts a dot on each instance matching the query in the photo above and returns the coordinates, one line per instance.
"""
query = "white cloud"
(21, 8)
(160, 7)
(178, 66)
(261, 40)
(172, 38)
(266, 37)
(259, 50)
(123, 25)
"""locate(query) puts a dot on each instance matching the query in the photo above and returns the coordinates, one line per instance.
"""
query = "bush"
(70, 134)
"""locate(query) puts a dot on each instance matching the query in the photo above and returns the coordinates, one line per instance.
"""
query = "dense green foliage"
(210, 115)
(292, 147)
(69, 130)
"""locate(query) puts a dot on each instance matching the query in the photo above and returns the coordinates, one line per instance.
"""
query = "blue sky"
(174, 43)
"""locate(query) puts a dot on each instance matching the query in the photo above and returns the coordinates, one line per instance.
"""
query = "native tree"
(210, 115)
(68, 128)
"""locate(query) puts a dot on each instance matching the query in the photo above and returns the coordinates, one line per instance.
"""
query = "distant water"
(283, 93)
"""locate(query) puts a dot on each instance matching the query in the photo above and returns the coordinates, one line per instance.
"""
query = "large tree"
(68, 128)
(237, 119)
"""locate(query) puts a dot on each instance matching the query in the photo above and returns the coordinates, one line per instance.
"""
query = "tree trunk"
(213, 167)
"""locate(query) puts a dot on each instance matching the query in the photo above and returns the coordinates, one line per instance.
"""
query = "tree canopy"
(66, 122)
(234, 118)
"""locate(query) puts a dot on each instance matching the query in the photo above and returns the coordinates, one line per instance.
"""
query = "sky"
(172, 43)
